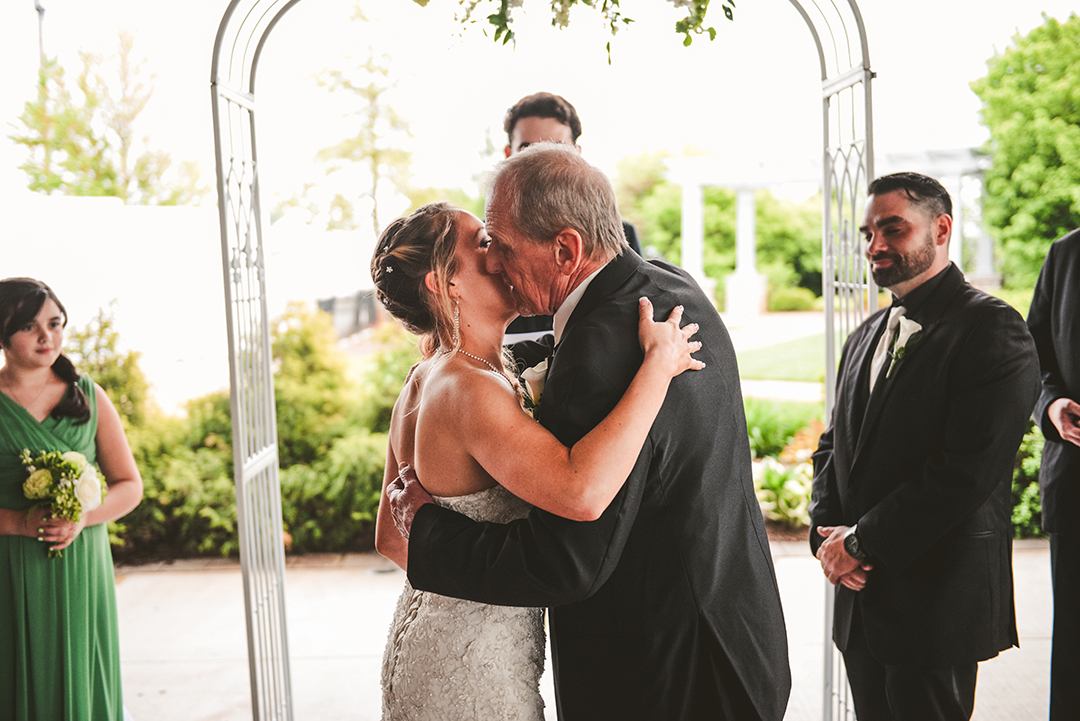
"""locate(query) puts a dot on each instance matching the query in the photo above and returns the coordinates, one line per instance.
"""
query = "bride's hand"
(666, 343)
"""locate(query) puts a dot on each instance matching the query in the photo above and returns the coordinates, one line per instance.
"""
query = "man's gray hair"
(549, 187)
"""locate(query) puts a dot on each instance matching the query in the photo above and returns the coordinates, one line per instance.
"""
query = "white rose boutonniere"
(909, 329)
(532, 380)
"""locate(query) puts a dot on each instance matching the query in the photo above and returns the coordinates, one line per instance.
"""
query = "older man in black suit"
(666, 607)
(911, 500)
(1054, 320)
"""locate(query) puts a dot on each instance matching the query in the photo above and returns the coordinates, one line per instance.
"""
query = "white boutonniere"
(909, 329)
(532, 380)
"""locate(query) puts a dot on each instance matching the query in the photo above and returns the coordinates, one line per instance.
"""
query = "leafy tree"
(82, 140)
(372, 149)
(94, 350)
(788, 234)
(1031, 105)
(312, 391)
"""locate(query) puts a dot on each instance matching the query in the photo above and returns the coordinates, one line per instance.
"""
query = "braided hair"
(21, 300)
(410, 248)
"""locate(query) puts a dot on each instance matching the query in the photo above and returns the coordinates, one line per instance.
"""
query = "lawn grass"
(802, 359)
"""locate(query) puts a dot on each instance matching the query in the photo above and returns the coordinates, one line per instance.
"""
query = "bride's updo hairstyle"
(407, 251)
(21, 300)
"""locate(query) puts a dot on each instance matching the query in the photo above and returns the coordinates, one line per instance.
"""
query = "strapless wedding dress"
(447, 659)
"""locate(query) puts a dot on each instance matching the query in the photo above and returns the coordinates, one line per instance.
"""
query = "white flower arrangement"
(908, 330)
(66, 483)
(532, 382)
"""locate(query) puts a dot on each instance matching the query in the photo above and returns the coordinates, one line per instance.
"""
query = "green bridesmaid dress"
(59, 649)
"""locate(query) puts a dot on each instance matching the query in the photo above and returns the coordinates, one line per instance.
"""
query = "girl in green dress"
(59, 651)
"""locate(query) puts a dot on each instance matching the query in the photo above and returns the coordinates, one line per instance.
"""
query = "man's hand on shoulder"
(1064, 413)
(837, 563)
(406, 495)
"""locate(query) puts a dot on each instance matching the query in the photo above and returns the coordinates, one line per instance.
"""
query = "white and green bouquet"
(65, 483)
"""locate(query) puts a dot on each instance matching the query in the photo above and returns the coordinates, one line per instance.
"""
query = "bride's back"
(426, 427)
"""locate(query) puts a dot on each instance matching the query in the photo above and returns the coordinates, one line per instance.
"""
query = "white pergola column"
(746, 289)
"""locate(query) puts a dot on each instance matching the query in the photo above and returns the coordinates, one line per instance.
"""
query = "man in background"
(1054, 322)
(545, 118)
(911, 505)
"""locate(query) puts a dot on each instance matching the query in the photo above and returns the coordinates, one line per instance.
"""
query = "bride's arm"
(578, 482)
(388, 541)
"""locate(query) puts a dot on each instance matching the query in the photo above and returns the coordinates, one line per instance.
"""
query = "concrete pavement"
(184, 654)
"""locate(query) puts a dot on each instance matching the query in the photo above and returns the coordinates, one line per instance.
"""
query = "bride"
(459, 421)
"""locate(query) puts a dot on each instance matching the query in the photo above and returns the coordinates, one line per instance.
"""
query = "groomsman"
(911, 500)
(545, 118)
(1054, 321)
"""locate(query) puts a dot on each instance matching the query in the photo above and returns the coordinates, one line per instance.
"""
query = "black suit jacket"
(1054, 321)
(927, 475)
(669, 600)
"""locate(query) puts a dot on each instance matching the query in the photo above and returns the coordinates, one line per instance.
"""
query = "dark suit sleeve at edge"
(1039, 323)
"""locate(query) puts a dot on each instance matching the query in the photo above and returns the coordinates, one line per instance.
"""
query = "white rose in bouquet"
(88, 489)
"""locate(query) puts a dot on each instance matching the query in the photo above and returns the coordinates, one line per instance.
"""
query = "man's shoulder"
(971, 304)
(1064, 250)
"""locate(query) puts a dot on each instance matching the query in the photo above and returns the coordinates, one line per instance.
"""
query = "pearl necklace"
(487, 363)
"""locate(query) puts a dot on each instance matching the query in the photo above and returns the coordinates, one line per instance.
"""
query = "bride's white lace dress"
(448, 659)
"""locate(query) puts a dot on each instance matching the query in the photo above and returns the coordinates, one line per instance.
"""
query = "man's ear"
(942, 229)
(507, 152)
(569, 251)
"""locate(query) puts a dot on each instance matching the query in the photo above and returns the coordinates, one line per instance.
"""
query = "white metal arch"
(847, 154)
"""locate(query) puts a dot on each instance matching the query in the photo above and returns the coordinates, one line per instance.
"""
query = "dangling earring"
(457, 324)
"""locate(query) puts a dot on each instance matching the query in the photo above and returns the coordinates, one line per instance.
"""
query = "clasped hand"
(57, 531)
(837, 563)
(1064, 413)
(405, 495)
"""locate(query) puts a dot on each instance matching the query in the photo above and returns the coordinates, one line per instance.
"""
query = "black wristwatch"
(852, 544)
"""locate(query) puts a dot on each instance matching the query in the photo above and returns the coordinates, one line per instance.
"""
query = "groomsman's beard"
(904, 266)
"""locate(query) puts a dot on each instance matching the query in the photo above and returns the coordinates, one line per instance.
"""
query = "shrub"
(330, 506)
(772, 425)
(1027, 508)
(783, 492)
(791, 299)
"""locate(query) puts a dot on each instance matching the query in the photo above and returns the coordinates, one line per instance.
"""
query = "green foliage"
(94, 350)
(1027, 508)
(311, 389)
(788, 234)
(783, 492)
(82, 141)
(772, 425)
(500, 17)
(331, 460)
(791, 299)
(383, 373)
(330, 505)
(1031, 105)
